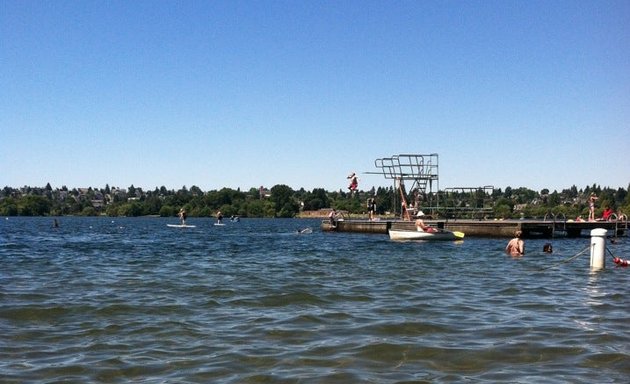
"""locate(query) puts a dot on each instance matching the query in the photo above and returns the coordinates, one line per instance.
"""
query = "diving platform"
(483, 228)
(463, 209)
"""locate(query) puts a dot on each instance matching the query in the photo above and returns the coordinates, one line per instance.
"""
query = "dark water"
(101, 300)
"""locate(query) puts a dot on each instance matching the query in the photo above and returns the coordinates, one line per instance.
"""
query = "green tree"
(151, 205)
(89, 211)
(255, 208)
(130, 209)
(196, 191)
(8, 207)
(316, 199)
(168, 211)
(32, 205)
(282, 198)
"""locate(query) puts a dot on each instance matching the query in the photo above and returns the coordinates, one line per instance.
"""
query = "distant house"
(519, 207)
(119, 192)
(264, 193)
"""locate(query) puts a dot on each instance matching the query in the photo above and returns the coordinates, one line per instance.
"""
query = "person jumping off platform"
(354, 182)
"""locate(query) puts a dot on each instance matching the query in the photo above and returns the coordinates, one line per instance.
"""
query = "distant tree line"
(283, 201)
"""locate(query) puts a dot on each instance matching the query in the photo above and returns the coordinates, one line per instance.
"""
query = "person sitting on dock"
(422, 227)
(516, 246)
(606, 215)
(621, 216)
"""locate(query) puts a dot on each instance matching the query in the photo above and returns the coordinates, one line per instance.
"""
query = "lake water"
(115, 300)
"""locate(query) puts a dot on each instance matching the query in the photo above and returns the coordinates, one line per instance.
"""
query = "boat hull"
(420, 235)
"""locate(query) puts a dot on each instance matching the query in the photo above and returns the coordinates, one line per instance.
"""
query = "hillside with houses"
(283, 201)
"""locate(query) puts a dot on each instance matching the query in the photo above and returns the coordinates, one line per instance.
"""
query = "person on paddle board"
(219, 218)
(182, 216)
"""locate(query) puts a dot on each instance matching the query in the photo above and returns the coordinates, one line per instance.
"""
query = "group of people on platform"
(607, 214)
(515, 247)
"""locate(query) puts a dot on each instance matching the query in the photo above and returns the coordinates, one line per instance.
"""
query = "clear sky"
(241, 94)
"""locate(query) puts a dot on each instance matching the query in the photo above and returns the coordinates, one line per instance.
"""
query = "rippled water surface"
(102, 300)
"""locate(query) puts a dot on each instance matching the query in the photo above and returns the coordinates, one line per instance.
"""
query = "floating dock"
(483, 228)
(421, 170)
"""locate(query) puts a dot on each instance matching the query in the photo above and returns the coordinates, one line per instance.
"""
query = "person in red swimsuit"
(607, 213)
(354, 182)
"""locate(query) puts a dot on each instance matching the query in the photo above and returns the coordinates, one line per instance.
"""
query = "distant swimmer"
(516, 246)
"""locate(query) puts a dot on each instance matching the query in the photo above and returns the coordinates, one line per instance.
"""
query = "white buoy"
(598, 248)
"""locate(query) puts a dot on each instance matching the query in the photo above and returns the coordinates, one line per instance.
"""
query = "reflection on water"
(118, 300)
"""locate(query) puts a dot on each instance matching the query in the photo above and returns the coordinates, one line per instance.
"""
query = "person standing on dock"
(516, 246)
(591, 206)
(371, 207)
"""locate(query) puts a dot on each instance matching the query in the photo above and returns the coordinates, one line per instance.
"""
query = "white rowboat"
(437, 234)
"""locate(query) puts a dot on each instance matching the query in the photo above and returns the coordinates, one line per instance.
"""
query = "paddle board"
(219, 224)
(180, 226)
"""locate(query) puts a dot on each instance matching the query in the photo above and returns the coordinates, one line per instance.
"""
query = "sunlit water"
(102, 300)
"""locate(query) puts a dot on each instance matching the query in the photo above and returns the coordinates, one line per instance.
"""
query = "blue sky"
(241, 94)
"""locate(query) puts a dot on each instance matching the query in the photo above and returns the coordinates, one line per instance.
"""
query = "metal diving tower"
(419, 169)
